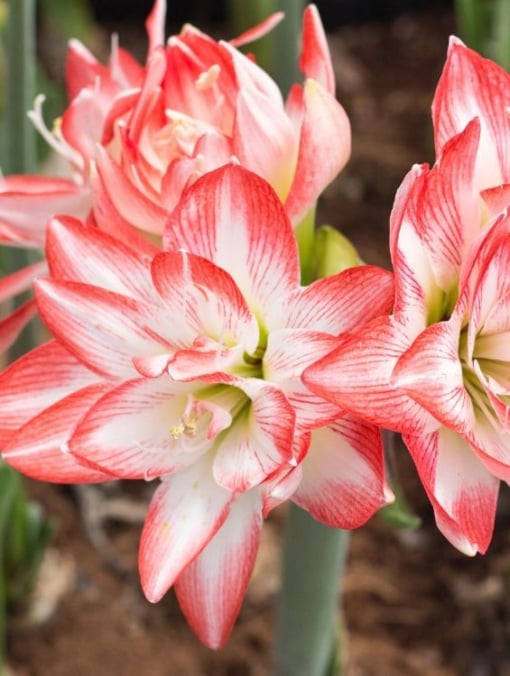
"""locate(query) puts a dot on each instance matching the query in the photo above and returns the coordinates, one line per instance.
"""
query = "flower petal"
(431, 373)
(315, 60)
(324, 148)
(155, 25)
(27, 202)
(343, 481)
(260, 440)
(133, 206)
(233, 218)
(288, 353)
(14, 323)
(264, 139)
(40, 448)
(336, 304)
(21, 280)
(206, 300)
(80, 254)
(48, 373)
(102, 329)
(128, 432)
(471, 86)
(356, 376)
(462, 492)
(187, 510)
(210, 590)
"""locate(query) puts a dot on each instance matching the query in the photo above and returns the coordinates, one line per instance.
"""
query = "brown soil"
(413, 606)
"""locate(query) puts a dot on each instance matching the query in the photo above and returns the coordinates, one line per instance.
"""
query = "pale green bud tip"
(334, 252)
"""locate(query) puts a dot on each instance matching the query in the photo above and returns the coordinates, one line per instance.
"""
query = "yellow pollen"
(187, 427)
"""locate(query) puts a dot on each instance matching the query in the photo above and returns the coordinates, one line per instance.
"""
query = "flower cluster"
(171, 287)
(134, 137)
(184, 346)
(438, 368)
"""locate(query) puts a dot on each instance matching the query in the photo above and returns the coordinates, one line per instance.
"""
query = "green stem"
(306, 631)
(278, 52)
(19, 134)
(501, 33)
(18, 156)
(20, 88)
(10, 484)
(305, 235)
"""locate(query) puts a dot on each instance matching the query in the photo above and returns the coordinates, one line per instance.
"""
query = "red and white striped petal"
(109, 220)
(490, 440)
(211, 589)
(82, 68)
(48, 373)
(21, 280)
(155, 25)
(462, 491)
(336, 304)
(205, 300)
(136, 430)
(133, 206)
(416, 289)
(357, 376)
(80, 254)
(497, 199)
(82, 124)
(430, 372)
(315, 60)
(27, 202)
(324, 148)
(289, 352)
(187, 510)
(448, 210)
(343, 482)
(260, 440)
(471, 86)
(282, 485)
(234, 218)
(14, 323)
(491, 284)
(40, 448)
(102, 329)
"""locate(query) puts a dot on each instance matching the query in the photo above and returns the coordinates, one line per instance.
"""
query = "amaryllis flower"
(203, 102)
(135, 137)
(186, 367)
(434, 370)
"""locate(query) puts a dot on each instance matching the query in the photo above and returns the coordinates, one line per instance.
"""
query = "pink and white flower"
(436, 369)
(134, 137)
(187, 367)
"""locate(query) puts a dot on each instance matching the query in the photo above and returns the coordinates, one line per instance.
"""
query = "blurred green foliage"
(485, 26)
(24, 535)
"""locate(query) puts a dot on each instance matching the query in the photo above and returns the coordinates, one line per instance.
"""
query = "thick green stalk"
(19, 136)
(18, 156)
(306, 628)
(305, 235)
(471, 24)
(278, 52)
(501, 34)
(20, 87)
